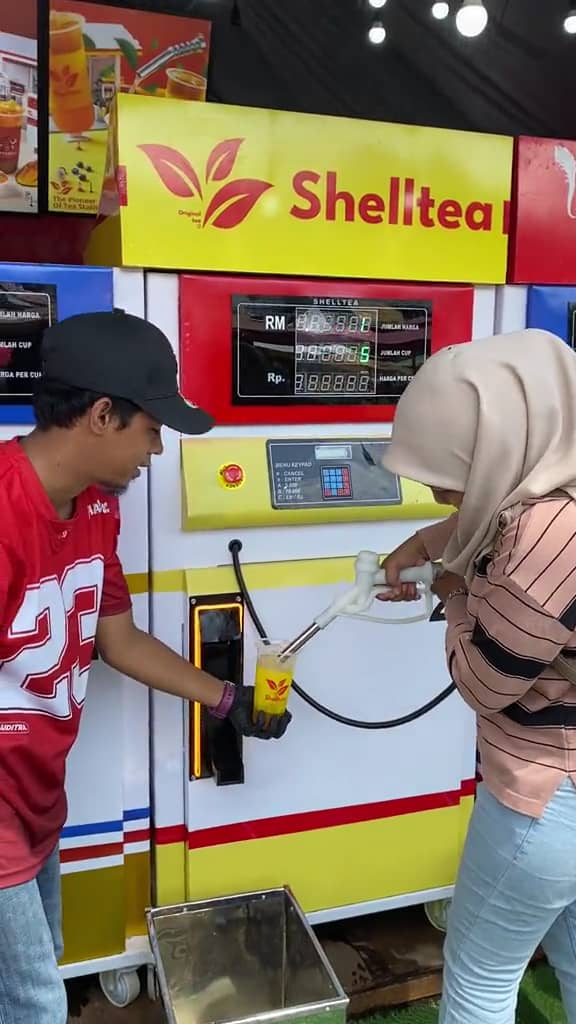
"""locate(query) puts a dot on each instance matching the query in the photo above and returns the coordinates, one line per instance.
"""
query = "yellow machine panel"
(324, 480)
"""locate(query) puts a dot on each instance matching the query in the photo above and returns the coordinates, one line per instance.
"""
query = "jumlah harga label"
(231, 188)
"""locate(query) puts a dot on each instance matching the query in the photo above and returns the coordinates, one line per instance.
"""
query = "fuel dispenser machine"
(255, 528)
(105, 844)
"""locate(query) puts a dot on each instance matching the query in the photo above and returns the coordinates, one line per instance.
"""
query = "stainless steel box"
(251, 957)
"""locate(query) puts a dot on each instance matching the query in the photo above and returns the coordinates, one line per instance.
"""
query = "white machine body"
(355, 820)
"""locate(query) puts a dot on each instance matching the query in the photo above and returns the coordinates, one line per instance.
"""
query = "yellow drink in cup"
(71, 104)
(185, 85)
(274, 677)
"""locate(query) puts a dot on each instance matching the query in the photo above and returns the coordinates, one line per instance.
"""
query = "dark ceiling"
(519, 77)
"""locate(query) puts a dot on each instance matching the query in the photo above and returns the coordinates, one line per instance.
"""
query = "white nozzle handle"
(370, 581)
(369, 572)
(424, 574)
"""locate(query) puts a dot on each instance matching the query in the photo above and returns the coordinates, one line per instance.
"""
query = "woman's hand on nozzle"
(412, 552)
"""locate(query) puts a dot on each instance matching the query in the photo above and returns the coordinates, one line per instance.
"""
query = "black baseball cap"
(123, 356)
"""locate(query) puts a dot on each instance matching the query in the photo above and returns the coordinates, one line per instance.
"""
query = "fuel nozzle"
(370, 581)
(295, 645)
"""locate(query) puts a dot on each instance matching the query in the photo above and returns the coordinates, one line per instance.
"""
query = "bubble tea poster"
(18, 107)
(94, 52)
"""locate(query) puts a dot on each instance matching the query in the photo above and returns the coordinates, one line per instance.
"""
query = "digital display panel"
(313, 350)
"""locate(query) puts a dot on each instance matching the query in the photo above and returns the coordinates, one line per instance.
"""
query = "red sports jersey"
(56, 578)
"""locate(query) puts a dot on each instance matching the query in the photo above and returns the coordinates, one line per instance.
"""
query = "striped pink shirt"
(501, 641)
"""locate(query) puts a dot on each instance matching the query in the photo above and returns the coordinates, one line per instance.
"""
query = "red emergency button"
(232, 475)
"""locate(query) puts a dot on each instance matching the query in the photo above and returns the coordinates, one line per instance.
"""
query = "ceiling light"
(472, 18)
(440, 11)
(570, 22)
(377, 33)
(377, 3)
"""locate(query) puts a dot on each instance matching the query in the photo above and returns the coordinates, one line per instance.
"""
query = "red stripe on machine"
(170, 834)
(469, 787)
(91, 852)
(137, 837)
(292, 824)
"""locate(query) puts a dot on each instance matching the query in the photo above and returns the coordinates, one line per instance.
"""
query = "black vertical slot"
(216, 645)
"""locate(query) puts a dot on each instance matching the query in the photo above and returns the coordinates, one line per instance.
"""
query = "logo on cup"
(279, 689)
(63, 81)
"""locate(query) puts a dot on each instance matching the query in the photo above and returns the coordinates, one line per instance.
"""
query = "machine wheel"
(437, 913)
(120, 987)
(152, 987)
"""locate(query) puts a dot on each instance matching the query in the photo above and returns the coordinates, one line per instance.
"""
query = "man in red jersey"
(109, 383)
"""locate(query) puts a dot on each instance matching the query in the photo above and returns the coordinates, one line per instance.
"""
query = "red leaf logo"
(220, 163)
(237, 198)
(174, 170)
(64, 80)
(272, 684)
(282, 690)
(230, 204)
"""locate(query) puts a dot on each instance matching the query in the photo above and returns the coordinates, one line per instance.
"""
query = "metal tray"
(250, 957)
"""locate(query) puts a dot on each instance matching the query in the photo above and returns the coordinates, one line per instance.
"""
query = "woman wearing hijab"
(491, 428)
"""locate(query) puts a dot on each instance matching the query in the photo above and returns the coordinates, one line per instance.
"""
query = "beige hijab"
(495, 419)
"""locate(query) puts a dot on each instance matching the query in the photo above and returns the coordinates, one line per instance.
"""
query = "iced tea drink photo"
(185, 85)
(11, 124)
(71, 104)
(274, 677)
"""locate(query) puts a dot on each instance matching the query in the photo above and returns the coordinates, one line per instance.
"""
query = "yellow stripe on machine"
(391, 857)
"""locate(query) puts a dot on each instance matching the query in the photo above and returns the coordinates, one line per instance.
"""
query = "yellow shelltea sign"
(223, 188)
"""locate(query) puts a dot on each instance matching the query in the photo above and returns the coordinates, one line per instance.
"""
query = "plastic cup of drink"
(273, 680)
(185, 85)
(71, 102)
(11, 124)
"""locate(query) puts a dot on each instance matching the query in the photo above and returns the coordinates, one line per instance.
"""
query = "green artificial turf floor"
(538, 1003)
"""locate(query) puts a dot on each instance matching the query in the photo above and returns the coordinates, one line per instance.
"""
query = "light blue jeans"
(31, 987)
(516, 890)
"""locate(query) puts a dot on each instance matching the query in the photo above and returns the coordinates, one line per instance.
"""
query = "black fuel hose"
(235, 547)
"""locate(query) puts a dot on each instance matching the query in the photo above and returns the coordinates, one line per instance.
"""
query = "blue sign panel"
(553, 309)
(32, 296)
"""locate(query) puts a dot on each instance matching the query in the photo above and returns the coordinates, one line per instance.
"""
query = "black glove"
(242, 717)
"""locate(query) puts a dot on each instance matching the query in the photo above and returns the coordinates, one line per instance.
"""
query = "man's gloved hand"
(241, 716)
